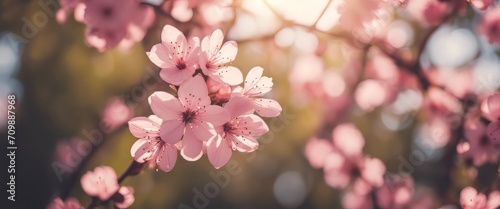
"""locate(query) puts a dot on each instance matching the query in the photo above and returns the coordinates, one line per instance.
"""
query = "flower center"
(227, 127)
(107, 12)
(188, 116)
(181, 65)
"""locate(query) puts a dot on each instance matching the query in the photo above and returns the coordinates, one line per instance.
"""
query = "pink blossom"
(347, 165)
(101, 183)
(215, 57)
(108, 14)
(317, 150)
(240, 133)
(481, 4)
(104, 38)
(139, 23)
(396, 194)
(175, 56)
(429, 12)
(70, 203)
(355, 13)
(190, 118)
(124, 198)
(150, 147)
(116, 113)
(490, 107)
(449, 79)
(372, 93)
(490, 25)
(254, 88)
(471, 199)
(481, 148)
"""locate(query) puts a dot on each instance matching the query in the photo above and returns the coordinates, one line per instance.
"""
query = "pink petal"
(253, 77)
(175, 76)
(239, 106)
(194, 93)
(167, 157)
(216, 115)
(191, 146)
(316, 151)
(142, 127)
(215, 42)
(267, 107)
(493, 102)
(494, 199)
(204, 131)
(373, 171)
(228, 74)
(165, 106)
(227, 53)
(243, 143)
(128, 197)
(142, 150)
(335, 175)
(160, 56)
(493, 132)
(171, 131)
(251, 125)
(348, 139)
(219, 151)
(170, 34)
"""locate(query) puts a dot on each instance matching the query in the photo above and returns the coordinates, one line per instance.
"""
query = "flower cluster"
(109, 23)
(210, 113)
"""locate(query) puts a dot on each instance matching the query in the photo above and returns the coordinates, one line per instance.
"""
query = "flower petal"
(219, 151)
(142, 150)
(167, 158)
(175, 76)
(204, 131)
(170, 34)
(227, 74)
(194, 93)
(267, 107)
(243, 143)
(239, 106)
(191, 146)
(171, 131)
(251, 125)
(142, 127)
(160, 56)
(165, 105)
(216, 115)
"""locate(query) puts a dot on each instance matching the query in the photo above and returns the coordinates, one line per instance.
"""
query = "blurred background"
(63, 86)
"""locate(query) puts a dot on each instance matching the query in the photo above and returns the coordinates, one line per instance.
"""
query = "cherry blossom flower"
(490, 107)
(372, 93)
(70, 203)
(490, 24)
(254, 88)
(397, 193)
(355, 13)
(240, 133)
(317, 150)
(471, 199)
(481, 148)
(190, 118)
(66, 7)
(215, 57)
(481, 4)
(124, 198)
(175, 55)
(150, 147)
(101, 183)
(353, 200)
(116, 113)
(429, 12)
(346, 165)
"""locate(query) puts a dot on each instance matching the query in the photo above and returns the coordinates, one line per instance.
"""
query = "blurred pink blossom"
(240, 133)
(175, 55)
(490, 25)
(396, 194)
(429, 12)
(70, 203)
(317, 150)
(354, 200)
(101, 183)
(481, 148)
(124, 198)
(354, 13)
(116, 113)
(372, 93)
(150, 147)
(471, 199)
(254, 88)
(190, 117)
(215, 57)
